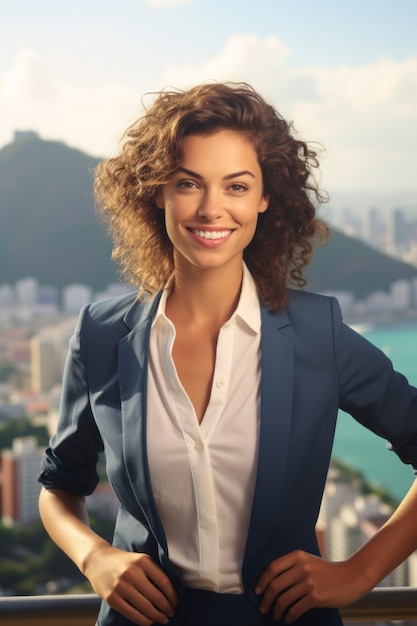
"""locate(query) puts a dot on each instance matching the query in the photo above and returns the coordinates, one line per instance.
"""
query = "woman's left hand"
(299, 581)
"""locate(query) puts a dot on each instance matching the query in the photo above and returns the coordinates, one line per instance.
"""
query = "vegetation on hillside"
(31, 564)
(50, 229)
(347, 264)
(13, 428)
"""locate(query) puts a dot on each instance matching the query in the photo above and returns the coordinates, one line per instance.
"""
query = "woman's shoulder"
(313, 312)
(306, 303)
(115, 314)
(110, 308)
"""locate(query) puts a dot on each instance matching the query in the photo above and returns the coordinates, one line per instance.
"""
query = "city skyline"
(345, 74)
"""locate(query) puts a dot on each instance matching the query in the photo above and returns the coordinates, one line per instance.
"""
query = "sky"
(344, 72)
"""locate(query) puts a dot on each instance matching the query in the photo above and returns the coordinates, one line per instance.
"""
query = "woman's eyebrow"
(237, 174)
(184, 170)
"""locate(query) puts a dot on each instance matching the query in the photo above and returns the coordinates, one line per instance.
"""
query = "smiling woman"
(214, 388)
(129, 185)
(213, 201)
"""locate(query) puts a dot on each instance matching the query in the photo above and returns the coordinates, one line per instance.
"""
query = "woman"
(214, 389)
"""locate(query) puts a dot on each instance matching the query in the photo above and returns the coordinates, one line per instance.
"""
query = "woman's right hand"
(132, 584)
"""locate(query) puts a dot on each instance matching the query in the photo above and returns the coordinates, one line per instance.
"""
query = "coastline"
(365, 323)
(354, 445)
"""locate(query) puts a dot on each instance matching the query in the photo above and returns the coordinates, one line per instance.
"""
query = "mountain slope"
(347, 264)
(49, 228)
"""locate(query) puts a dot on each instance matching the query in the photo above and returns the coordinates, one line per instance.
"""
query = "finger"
(148, 612)
(296, 610)
(288, 606)
(150, 600)
(134, 604)
(274, 569)
(161, 581)
(126, 609)
(141, 592)
(277, 587)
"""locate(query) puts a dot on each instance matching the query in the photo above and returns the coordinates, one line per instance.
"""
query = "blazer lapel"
(133, 359)
(276, 412)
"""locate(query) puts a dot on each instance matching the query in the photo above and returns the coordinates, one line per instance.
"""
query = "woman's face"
(212, 202)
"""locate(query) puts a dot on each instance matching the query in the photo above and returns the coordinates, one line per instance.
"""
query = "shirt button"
(220, 384)
(198, 446)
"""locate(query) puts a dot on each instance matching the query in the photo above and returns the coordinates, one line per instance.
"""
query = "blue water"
(362, 450)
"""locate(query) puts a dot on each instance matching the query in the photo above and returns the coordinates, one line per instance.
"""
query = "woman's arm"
(133, 584)
(298, 581)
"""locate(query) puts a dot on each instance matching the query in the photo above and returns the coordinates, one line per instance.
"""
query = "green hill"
(50, 230)
(347, 264)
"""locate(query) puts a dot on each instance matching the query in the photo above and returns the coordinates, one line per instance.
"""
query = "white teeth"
(211, 234)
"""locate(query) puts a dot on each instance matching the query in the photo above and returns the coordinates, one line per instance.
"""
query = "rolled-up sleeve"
(70, 461)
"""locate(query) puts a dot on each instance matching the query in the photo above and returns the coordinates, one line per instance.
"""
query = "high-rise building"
(20, 487)
(44, 369)
(396, 232)
(371, 228)
(26, 291)
(48, 351)
(340, 490)
(74, 297)
(401, 295)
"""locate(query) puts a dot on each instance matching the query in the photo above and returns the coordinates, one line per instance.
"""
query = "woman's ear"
(264, 203)
(159, 200)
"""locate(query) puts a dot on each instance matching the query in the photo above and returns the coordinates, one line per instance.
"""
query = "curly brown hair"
(126, 187)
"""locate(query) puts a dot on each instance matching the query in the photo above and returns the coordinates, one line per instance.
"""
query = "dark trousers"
(205, 608)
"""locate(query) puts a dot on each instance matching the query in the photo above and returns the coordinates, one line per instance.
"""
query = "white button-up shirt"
(203, 475)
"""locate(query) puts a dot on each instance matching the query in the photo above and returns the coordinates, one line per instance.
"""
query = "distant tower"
(27, 291)
(396, 232)
(371, 227)
(48, 351)
(340, 491)
(401, 295)
(20, 488)
(74, 297)
(45, 370)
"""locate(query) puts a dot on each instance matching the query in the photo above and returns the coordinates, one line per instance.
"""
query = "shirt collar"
(247, 310)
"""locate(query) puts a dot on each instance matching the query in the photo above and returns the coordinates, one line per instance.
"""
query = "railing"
(391, 603)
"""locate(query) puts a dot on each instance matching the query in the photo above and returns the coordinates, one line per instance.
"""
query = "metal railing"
(391, 603)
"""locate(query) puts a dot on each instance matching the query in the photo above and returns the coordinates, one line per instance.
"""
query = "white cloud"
(243, 58)
(87, 117)
(366, 116)
(27, 78)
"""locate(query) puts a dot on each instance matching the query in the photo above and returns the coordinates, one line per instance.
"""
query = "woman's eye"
(238, 187)
(186, 184)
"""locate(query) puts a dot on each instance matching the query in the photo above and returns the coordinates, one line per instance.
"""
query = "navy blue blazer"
(312, 365)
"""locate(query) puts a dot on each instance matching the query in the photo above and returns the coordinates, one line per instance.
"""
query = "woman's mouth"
(210, 234)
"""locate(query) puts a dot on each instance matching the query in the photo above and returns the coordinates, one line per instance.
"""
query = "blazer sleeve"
(70, 462)
(372, 392)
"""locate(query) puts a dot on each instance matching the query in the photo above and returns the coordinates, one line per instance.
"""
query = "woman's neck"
(206, 296)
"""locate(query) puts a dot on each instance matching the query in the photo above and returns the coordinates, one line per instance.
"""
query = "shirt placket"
(197, 439)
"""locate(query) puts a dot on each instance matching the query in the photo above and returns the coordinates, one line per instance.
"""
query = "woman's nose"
(211, 205)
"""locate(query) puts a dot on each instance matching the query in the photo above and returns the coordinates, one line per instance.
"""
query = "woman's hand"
(132, 584)
(299, 581)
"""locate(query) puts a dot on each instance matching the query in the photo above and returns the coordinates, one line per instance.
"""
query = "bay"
(360, 449)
